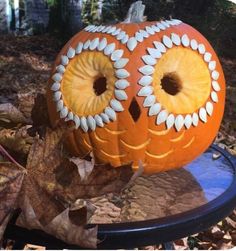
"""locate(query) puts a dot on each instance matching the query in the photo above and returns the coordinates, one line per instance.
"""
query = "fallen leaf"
(60, 226)
(26, 103)
(53, 186)
(9, 113)
(16, 140)
(39, 112)
(84, 167)
(11, 177)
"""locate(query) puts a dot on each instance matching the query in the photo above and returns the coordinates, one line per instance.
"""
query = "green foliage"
(89, 12)
(215, 19)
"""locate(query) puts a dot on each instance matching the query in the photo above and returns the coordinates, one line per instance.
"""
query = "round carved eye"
(179, 82)
(90, 84)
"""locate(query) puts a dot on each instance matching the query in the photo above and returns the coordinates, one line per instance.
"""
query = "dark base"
(144, 233)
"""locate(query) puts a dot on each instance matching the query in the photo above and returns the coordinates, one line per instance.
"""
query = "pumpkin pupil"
(171, 83)
(100, 85)
(134, 110)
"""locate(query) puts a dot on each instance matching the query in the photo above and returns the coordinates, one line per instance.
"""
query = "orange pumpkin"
(151, 92)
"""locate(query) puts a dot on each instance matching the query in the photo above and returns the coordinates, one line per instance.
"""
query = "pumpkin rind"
(167, 133)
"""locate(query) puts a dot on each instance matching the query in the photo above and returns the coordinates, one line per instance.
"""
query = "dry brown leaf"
(11, 177)
(181, 244)
(16, 140)
(39, 113)
(105, 211)
(231, 222)
(9, 113)
(34, 247)
(26, 104)
(60, 226)
(84, 167)
(53, 186)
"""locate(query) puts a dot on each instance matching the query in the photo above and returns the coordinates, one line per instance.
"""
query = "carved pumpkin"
(151, 92)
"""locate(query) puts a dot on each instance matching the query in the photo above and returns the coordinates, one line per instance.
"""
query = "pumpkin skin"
(165, 103)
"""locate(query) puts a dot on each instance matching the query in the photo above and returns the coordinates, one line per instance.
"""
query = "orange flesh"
(193, 77)
(78, 80)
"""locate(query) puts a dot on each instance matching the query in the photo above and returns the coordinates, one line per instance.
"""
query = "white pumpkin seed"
(120, 35)
(209, 108)
(60, 69)
(121, 95)
(110, 113)
(150, 30)
(149, 101)
(212, 65)
(146, 70)
(109, 49)
(86, 45)
(57, 77)
(194, 44)
(99, 121)
(145, 91)
(125, 39)
(175, 39)
(161, 117)
(77, 121)
(154, 109)
(214, 96)
(132, 43)
(56, 86)
(149, 60)
(167, 41)
(94, 43)
(170, 121)
(91, 123)
(71, 53)
(83, 124)
(116, 55)
(122, 73)
(102, 44)
(64, 60)
(195, 119)
(215, 86)
(155, 53)
(105, 117)
(202, 114)
(207, 57)
(145, 80)
(121, 84)
(63, 112)
(188, 121)
(144, 33)
(160, 46)
(185, 40)
(121, 63)
(215, 75)
(56, 95)
(59, 105)
(116, 105)
(79, 48)
(139, 37)
(179, 122)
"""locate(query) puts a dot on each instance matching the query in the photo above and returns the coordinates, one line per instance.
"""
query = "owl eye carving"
(181, 80)
(151, 92)
(86, 81)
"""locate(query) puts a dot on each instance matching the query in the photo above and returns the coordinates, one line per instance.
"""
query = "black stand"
(155, 231)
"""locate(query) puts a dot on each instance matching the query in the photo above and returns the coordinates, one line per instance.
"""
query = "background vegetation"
(216, 19)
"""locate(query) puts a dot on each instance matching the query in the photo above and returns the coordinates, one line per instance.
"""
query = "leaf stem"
(4, 152)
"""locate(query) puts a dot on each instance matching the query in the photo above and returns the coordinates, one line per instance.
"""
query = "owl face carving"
(151, 92)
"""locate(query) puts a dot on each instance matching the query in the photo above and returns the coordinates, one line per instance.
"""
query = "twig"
(4, 152)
